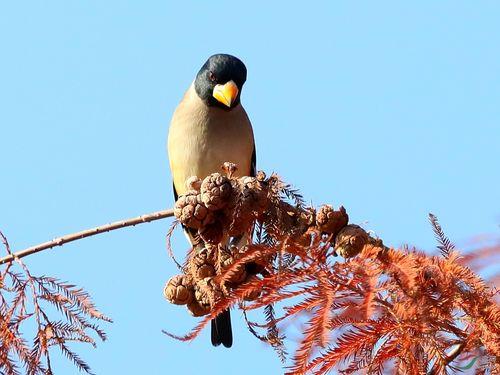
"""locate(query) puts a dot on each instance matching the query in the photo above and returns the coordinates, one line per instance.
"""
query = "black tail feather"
(221, 330)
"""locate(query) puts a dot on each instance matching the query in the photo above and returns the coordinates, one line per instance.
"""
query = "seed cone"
(179, 290)
(201, 265)
(330, 221)
(190, 210)
(215, 191)
(247, 203)
(196, 309)
(350, 241)
(207, 292)
(224, 209)
(193, 183)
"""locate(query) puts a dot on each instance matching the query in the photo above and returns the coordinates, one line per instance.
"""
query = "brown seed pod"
(201, 264)
(179, 290)
(330, 221)
(193, 183)
(229, 168)
(206, 292)
(350, 241)
(191, 211)
(215, 191)
(227, 258)
(253, 193)
(196, 309)
(249, 200)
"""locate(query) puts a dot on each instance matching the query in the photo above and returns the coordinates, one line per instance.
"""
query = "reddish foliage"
(393, 309)
(380, 310)
(25, 298)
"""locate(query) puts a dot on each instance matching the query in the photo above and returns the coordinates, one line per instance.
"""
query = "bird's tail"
(221, 330)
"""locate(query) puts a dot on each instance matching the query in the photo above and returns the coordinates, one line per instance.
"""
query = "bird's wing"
(253, 166)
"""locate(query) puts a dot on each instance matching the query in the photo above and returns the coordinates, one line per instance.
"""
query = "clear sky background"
(389, 108)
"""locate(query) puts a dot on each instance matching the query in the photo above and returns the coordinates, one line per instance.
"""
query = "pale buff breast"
(201, 138)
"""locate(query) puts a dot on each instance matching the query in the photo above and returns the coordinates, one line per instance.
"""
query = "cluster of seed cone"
(224, 209)
(198, 287)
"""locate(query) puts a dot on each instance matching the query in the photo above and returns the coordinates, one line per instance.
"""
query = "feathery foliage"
(375, 310)
(24, 299)
(378, 310)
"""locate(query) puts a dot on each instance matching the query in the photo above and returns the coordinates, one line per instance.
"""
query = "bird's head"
(220, 81)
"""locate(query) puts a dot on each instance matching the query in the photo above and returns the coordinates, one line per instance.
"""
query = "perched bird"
(208, 128)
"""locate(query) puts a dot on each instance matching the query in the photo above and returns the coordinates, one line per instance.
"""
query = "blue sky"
(389, 108)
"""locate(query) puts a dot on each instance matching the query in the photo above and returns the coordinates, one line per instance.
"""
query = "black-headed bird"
(208, 128)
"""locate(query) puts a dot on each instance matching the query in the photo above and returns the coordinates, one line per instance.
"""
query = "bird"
(208, 128)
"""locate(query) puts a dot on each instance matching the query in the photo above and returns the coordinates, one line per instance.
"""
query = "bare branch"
(158, 215)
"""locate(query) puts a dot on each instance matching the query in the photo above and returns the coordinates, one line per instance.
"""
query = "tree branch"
(158, 215)
(452, 355)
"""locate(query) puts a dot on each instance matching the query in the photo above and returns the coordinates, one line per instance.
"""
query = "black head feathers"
(219, 79)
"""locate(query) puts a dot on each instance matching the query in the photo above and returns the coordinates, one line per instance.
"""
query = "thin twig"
(450, 357)
(88, 233)
(455, 352)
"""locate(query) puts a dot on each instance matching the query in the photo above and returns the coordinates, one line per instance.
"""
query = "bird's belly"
(206, 155)
(215, 158)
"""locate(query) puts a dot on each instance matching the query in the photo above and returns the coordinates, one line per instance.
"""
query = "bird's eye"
(211, 76)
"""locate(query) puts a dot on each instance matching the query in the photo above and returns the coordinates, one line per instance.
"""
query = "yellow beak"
(226, 94)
